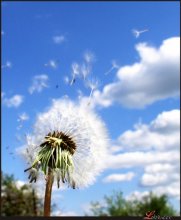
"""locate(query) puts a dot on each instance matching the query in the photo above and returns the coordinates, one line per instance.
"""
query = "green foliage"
(18, 201)
(159, 204)
(116, 205)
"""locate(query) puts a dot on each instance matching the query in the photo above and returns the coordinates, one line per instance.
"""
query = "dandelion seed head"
(78, 127)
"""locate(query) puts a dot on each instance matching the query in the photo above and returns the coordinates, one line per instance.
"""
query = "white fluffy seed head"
(86, 130)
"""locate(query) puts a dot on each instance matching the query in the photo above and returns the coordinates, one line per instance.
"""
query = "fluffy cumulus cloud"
(155, 77)
(154, 148)
(39, 83)
(14, 101)
(119, 177)
(162, 134)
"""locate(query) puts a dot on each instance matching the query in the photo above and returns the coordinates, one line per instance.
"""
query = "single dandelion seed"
(86, 66)
(75, 72)
(137, 33)
(92, 84)
(23, 117)
(69, 145)
(52, 63)
(114, 66)
(85, 70)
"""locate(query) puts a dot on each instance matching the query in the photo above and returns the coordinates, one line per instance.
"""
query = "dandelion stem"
(48, 192)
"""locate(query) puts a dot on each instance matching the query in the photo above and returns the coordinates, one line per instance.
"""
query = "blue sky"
(40, 43)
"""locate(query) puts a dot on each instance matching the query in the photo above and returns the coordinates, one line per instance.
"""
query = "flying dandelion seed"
(52, 63)
(85, 70)
(75, 72)
(137, 33)
(92, 84)
(68, 144)
(114, 66)
(86, 66)
(23, 117)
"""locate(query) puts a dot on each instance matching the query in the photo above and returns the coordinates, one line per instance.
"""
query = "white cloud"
(59, 39)
(154, 147)
(155, 179)
(115, 148)
(136, 195)
(155, 77)
(159, 168)
(140, 159)
(39, 83)
(172, 190)
(161, 134)
(14, 101)
(119, 177)
(62, 213)
(20, 183)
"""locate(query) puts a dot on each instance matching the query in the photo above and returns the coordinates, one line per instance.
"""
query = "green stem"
(48, 192)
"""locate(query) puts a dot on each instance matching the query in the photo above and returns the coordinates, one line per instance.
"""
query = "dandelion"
(85, 70)
(75, 72)
(86, 67)
(137, 32)
(23, 117)
(114, 66)
(52, 63)
(69, 145)
(92, 84)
